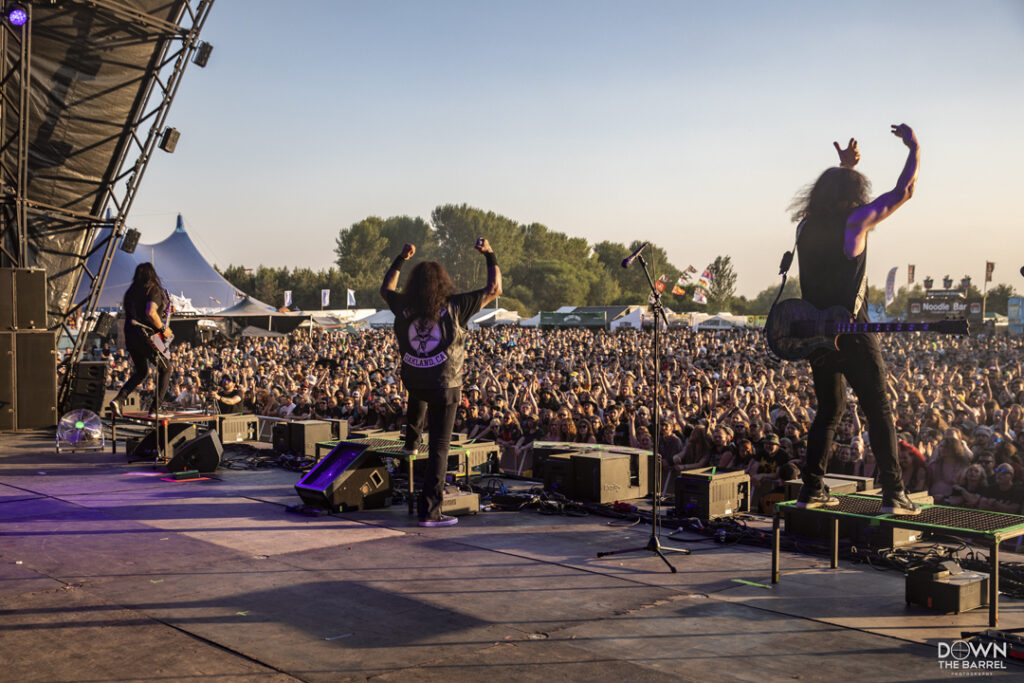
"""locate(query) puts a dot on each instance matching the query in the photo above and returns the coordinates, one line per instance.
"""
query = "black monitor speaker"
(202, 453)
(348, 478)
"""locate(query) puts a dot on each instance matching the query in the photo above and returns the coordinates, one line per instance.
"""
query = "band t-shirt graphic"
(433, 352)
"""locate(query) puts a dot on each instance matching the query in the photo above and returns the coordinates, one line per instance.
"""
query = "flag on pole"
(699, 297)
(677, 290)
(660, 286)
(705, 279)
(690, 269)
(287, 298)
(910, 274)
(325, 297)
(989, 267)
(890, 286)
(351, 297)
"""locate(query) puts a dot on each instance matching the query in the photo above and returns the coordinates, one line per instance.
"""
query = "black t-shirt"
(227, 408)
(827, 276)
(136, 301)
(433, 352)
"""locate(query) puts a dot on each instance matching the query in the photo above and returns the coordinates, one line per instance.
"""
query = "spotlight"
(130, 241)
(17, 15)
(202, 54)
(169, 140)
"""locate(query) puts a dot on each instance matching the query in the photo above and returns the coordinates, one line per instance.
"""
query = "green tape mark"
(243, 614)
(156, 580)
(752, 583)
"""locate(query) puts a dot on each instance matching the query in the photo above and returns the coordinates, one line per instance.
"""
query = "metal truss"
(177, 43)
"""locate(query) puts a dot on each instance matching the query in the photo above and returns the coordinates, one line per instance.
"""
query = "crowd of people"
(723, 402)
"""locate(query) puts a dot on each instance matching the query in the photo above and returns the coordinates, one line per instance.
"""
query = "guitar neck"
(861, 328)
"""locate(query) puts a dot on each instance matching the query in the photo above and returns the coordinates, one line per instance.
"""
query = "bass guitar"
(160, 344)
(795, 328)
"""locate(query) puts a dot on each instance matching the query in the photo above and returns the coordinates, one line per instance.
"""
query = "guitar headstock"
(952, 326)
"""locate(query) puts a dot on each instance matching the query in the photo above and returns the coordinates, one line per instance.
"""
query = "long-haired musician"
(146, 307)
(430, 324)
(836, 215)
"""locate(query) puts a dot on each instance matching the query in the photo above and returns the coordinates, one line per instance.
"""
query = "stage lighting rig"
(17, 14)
(202, 55)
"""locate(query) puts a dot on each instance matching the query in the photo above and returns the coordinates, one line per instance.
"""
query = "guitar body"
(795, 328)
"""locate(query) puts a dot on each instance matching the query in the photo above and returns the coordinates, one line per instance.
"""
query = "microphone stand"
(654, 543)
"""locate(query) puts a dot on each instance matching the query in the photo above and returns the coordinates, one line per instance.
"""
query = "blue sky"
(691, 124)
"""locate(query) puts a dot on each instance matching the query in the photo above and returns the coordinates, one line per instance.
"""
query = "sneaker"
(117, 408)
(445, 520)
(815, 499)
(899, 504)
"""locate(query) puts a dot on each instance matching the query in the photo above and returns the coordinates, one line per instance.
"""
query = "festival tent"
(632, 320)
(252, 312)
(490, 317)
(382, 319)
(183, 270)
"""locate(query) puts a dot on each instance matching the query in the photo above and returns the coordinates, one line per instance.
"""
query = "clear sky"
(688, 123)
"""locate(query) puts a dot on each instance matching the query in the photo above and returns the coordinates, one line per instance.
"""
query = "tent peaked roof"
(249, 306)
(182, 269)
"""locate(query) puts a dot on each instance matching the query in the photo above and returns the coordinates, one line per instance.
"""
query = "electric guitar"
(160, 344)
(795, 328)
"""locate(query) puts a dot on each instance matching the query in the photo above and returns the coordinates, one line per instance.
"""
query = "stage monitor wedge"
(350, 477)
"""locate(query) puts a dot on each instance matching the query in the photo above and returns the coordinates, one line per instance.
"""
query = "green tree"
(762, 303)
(998, 299)
(558, 283)
(362, 256)
(402, 230)
(723, 284)
(457, 229)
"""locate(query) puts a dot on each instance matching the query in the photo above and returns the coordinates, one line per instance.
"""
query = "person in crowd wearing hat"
(430, 326)
(835, 217)
(228, 397)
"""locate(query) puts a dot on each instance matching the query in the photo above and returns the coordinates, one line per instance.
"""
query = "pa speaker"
(201, 453)
(348, 478)
(35, 379)
(178, 435)
(88, 386)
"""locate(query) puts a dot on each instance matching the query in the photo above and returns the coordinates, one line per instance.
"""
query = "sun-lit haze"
(690, 124)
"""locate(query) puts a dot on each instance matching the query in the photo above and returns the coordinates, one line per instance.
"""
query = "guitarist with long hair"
(144, 303)
(836, 216)
(430, 326)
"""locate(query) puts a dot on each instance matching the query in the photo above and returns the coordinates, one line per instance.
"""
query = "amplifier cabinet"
(235, 427)
(707, 494)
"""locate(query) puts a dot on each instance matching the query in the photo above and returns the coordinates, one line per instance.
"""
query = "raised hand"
(408, 250)
(905, 133)
(482, 245)
(848, 157)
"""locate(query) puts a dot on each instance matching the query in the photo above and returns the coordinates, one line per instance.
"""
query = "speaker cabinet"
(202, 453)
(35, 379)
(237, 427)
(306, 433)
(348, 478)
(88, 387)
(132, 403)
(281, 437)
(707, 494)
(178, 435)
(22, 299)
(603, 477)
(8, 396)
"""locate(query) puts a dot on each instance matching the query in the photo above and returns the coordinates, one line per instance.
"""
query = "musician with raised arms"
(836, 215)
(144, 303)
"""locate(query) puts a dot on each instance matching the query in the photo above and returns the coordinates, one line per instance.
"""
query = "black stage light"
(202, 54)
(170, 140)
(130, 241)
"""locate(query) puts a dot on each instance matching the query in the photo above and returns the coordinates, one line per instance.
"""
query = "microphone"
(628, 261)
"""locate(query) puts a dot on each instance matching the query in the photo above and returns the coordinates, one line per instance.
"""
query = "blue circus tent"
(181, 267)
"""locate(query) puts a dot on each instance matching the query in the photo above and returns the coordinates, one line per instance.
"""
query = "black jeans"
(858, 362)
(439, 407)
(142, 355)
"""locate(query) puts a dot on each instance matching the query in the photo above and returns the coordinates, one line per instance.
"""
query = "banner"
(910, 274)
(944, 308)
(351, 297)
(699, 297)
(890, 286)
(705, 279)
(989, 267)
(678, 291)
(573, 319)
(325, 297)
(287, 298)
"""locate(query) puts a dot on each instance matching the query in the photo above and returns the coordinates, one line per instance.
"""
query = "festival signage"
(934, 308)
(573, 319)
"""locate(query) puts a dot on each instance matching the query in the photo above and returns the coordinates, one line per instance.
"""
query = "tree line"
(542, 269)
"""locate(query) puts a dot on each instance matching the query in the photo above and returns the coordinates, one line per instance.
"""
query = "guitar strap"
(787, 263)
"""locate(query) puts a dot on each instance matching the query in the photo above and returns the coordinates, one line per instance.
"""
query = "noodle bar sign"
(928, 310)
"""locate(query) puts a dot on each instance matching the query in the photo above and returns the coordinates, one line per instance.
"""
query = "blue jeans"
(439, 407)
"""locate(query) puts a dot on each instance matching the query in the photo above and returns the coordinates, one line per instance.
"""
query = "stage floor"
(109, 573)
